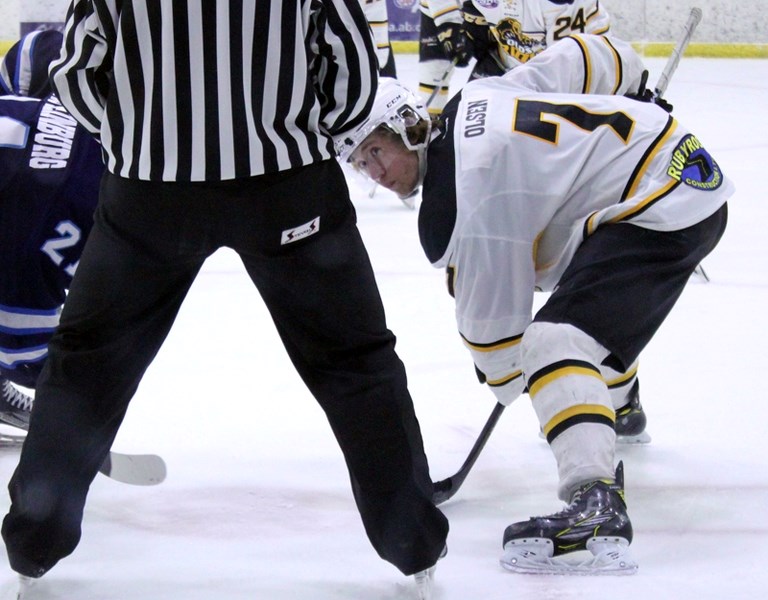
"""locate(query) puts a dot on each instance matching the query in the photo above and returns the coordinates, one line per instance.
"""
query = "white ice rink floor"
(257, 504)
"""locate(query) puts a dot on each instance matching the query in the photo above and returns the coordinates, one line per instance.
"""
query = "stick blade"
(134, 469)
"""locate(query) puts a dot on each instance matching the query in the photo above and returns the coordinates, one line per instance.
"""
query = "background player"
(378, 19)
(498, 35)
(50, 169)
(442, 45)
(507, 34)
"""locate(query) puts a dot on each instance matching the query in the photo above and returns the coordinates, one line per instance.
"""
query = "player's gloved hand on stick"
(454, 43)
(643, 94)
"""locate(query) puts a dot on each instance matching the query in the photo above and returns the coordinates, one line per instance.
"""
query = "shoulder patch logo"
(300, 232)
(692, 165)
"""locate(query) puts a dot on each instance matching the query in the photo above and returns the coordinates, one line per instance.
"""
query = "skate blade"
(640, 438)
(10, 440)
(410, 201)
(25, 587)
(605, 556)
(425, 580)
(7, 418)
(628, 440)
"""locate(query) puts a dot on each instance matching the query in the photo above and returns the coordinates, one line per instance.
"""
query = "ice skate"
(631, 420)
(410, 199)
(25, 585)
(15, 406)
(594, 527)
(424, 583)
(425, 579)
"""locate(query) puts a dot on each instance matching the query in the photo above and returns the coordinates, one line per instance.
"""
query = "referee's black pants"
(148, 243)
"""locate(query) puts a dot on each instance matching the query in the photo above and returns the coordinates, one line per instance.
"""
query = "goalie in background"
(605, 201)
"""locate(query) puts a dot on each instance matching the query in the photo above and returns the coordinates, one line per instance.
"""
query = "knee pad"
(561, 370)
(561, 365)
(545, 344)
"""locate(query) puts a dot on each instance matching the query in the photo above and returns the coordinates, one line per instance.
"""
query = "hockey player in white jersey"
(606, 201)
(500, 35)
(443, 45)
(509, 33)
(378, 18)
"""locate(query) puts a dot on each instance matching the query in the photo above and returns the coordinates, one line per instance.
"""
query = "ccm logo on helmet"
(475, 118)
(394, 101)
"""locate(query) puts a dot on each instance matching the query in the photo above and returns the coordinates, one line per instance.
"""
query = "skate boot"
(25, 587)
(596, 520)
(630, 419)
(15, 406)
(425, 579)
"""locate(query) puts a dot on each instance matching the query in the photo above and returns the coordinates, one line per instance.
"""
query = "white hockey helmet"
(395, 107)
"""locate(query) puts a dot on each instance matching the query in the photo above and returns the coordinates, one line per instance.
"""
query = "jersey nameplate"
(53, 140)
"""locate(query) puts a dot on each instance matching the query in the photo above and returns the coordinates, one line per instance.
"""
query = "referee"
(216, 120)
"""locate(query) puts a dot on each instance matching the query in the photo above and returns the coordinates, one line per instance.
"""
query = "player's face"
(384, 158)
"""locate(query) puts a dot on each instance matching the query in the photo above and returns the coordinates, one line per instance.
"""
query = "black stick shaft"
(446, 488)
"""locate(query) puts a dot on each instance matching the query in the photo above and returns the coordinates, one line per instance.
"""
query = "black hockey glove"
(478, 31)
(643, 94)
(454, 43)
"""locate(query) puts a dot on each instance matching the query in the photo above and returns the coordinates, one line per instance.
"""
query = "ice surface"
(257, 503)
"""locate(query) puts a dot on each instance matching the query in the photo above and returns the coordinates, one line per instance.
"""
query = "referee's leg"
(122, 302)
(324, 300)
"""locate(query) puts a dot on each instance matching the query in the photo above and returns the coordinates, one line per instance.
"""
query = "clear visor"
(397, 121)
(374, 155)
(385, 159)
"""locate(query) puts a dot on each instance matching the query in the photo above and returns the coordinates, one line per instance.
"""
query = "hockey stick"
(661, 86)
(439, 82)
(445, 489)
(677, 52)
(133, 469)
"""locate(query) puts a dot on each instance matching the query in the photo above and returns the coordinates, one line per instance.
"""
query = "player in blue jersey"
(50, 169)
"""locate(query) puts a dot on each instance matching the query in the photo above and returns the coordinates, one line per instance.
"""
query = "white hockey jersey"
(442, 11)
(536, 172)
(524, 28)
(377, 15)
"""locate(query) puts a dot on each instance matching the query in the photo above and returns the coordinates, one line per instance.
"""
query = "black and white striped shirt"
(206, 90)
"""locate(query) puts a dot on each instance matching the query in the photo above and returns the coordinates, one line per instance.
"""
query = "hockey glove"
(478, 31)
(643, 94)
(454, 43)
